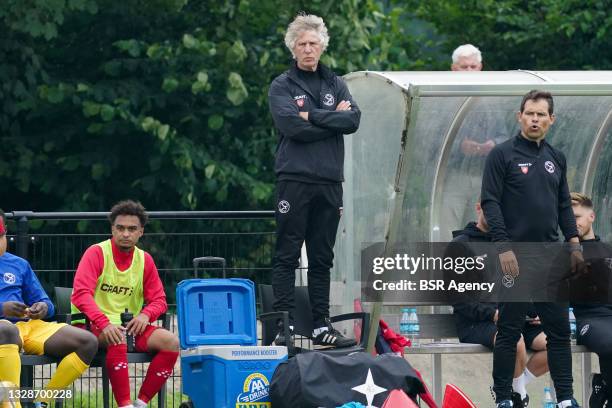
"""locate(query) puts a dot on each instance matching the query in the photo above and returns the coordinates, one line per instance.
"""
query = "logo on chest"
(116, 289)
(525, 167)
(328, 99)
(549, 166)
(299, 100)
(9, 278)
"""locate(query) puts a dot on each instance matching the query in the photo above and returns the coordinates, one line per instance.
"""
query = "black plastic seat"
(303, 324)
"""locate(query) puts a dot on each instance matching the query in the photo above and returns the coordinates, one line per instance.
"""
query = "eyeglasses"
(122, 228)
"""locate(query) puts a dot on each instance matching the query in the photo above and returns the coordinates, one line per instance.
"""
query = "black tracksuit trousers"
(596, 334)
(305, 212)
(555, 322)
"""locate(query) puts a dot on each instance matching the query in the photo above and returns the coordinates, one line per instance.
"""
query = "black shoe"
(280, 339)
(331, 338)
(517, 401)
(504, 404)
(599, 393)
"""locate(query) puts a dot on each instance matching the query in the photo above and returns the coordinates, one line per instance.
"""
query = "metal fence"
(53, 243)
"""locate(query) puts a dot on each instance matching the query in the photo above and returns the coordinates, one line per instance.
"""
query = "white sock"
(140, 404)
(320, 330)
(529, 377)
(518, 385)
(565, 403)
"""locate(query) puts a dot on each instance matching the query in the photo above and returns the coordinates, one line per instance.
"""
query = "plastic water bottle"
(548, 401)
(404, 322)
(126, 317)
(572, 322)
(414, 326)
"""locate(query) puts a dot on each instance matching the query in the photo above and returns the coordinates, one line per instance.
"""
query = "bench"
(439, 334)
(29, 362)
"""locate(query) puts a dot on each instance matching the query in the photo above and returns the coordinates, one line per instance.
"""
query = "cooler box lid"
(216, 311)
(231, 353)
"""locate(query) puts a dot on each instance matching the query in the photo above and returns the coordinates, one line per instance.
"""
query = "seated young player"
(594, 320)
(476, 323)
(115, 275)
(23, 305)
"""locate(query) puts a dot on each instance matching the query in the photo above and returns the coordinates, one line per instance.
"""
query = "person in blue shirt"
(23, 305)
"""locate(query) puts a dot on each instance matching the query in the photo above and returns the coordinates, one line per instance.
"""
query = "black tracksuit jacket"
(311, 151)
(468, 313)
(599, 255)
(525, 196)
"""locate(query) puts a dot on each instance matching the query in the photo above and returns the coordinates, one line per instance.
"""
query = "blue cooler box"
(216, 312)
(230, 376)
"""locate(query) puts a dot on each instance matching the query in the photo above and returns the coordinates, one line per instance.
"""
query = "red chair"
(455, 398)
(399, 399)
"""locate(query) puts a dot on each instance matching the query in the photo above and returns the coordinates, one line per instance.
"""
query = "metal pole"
(22, 237)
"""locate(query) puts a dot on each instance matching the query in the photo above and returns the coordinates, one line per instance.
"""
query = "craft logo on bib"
(255, 392)
(9, 278)
(549, 166)
(328, 100)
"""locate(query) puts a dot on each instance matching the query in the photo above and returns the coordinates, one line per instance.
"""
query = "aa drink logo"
(255, 392)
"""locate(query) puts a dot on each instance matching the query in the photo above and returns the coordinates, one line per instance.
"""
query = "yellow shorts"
(34, 333)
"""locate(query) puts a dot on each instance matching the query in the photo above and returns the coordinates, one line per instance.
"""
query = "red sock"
(159, 370)
(117, 368)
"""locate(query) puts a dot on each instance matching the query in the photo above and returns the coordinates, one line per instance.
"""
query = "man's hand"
(509, 263)
(113, 334)
(137, 325)
(469, 147)
(472, 148)
(486, 147)
(344, 106)
(304, 115)
(578, 265)
(38, 310)
(14, 309)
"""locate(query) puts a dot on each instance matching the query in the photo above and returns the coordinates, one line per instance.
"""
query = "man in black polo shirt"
(525, 198)
(594, 320)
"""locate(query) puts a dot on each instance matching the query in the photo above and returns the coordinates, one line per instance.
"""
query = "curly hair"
(302, 23)
(128, 207)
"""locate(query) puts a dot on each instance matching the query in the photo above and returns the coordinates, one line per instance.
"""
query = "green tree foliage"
(513, 34)
(164, 101)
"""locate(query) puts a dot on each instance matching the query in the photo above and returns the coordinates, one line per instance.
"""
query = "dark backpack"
(320, 380)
